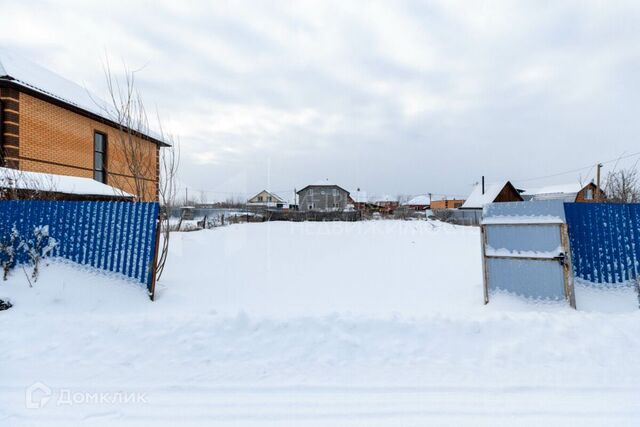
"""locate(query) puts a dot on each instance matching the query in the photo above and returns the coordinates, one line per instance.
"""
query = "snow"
(378, 323)
(33, 76)
(566, 192)
(522, 219)
(532, 212)
(419, 201)
(555, 189)
(477, 199)
(22, 180)
(503, 252)
(385, 198)
(360, 196)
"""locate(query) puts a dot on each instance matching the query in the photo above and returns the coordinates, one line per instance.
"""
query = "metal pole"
(154, 265)
(598, 167)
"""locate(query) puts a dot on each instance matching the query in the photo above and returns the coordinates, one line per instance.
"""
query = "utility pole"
(186, 196)
(598, 167)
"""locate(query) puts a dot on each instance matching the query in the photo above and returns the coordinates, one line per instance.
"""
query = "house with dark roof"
(51, 125)
(323, 196)
(418, 203)
(570, 193)
(496, 192)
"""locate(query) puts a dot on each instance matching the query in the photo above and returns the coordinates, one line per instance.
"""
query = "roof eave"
(8, 81)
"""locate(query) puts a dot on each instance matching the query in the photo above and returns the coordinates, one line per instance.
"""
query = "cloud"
(392, 97)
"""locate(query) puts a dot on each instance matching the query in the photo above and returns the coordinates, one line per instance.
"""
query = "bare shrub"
(444, 215)
(622, 186)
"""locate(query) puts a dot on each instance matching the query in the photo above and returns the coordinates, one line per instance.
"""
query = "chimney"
(482, 184)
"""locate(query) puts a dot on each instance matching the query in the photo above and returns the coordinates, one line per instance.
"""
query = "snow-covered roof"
(359, 196)
(279, 197)
(22, 180)
(271, 193)
(565, 192)
(385, 198)
(32, 76)
(477, 199)
(423, 200)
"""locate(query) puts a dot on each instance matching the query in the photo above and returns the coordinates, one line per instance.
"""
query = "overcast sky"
(392, 97)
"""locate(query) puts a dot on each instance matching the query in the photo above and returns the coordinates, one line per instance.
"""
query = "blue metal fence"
(604, 241)
(113, 236)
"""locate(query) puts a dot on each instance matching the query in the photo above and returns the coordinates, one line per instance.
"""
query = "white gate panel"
(525, 250)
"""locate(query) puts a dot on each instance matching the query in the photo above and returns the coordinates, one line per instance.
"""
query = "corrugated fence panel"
(604, 241)
(113, 236)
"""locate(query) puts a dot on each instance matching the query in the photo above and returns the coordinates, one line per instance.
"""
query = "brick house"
(447, 204)
(51, 125)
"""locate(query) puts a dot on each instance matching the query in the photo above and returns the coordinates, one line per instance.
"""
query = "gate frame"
(567, 270)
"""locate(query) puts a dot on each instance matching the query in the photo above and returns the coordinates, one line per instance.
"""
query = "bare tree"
(168, 193)
(203, 197)
(623, 186)
(140, 159)
(126, 108)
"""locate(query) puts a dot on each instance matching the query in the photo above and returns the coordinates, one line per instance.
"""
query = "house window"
(588, 195)
(259, 198)
(100, 157)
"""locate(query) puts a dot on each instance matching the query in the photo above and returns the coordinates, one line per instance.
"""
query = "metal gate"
(525, 250)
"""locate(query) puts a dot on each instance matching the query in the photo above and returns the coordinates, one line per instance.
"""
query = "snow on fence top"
(27, 74)
(46, 182)
(535, 212)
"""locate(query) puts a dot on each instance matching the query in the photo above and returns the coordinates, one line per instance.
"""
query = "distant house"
(362, 202)
(567, 192)
(387, 204)
(323, 197)
(268, 200)
(418, 203)
(447, 204)
(498, 192)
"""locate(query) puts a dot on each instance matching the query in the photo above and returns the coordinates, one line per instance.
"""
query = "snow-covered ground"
(314, 324)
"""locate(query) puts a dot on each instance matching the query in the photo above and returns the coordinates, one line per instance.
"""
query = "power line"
(590, 167)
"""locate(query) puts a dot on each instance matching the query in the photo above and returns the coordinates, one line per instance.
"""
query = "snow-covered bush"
(33, 249)
(9, 247)
(38, 247)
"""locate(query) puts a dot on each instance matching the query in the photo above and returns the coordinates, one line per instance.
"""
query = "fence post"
(154, 267)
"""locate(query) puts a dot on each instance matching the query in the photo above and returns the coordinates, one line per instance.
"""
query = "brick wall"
(55, 140)
(446, 204)
(10, 127)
